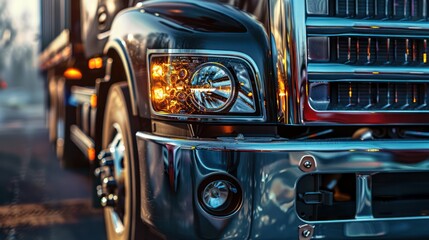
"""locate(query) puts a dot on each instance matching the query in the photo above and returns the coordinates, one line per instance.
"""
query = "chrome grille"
(377, 56)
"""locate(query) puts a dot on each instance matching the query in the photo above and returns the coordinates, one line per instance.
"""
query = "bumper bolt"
(305, 232)
(307, 163)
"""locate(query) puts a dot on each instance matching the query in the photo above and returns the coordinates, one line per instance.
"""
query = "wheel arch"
(118, 69)
(121, 68)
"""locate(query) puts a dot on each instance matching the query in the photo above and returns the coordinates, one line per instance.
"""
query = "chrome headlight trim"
(258, 86)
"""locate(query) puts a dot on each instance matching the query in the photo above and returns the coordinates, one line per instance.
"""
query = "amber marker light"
(350, 91)
(95, 63)
(91, 154)
(73, 73)
(157, 71)
(93, 101)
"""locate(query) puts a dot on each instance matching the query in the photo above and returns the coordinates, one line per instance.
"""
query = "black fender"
(186, 25)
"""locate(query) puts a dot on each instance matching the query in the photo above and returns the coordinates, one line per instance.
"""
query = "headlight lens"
(201, 85)
(212, 87)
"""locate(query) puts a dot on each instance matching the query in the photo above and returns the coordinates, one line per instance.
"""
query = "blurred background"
(38, 199)
(19, 46)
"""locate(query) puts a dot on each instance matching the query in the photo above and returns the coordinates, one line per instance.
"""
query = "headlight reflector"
(212, 87)
(198, 85)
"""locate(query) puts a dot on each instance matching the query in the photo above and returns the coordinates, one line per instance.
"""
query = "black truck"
(244, 119)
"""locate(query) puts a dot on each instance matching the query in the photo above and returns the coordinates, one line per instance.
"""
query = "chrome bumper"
(268, 171)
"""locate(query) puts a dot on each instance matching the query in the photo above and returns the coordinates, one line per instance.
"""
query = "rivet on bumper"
(307, 163)
(305, 231)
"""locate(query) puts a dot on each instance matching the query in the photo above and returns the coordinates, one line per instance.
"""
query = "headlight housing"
(202, 86)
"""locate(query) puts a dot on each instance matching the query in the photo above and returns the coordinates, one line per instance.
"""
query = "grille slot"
(380, 51)
(376, 96)
(412, 10)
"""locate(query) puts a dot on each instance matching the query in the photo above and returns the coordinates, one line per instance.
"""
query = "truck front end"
(294, 120)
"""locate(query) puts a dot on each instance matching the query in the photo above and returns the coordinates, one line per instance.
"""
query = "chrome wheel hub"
(114, 182)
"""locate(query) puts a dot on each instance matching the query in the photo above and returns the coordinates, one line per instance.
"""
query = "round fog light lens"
(220, 194)
(215, 194)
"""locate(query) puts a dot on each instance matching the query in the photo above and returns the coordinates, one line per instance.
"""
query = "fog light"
(216, 194)
(220, 194)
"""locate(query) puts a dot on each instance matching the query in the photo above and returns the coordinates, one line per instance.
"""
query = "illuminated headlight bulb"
(157, 71)
(215, 194)
(212, 87)
(158, 94)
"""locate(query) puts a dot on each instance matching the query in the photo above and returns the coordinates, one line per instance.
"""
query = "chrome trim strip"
(282, 145)
(287, 19)
(374, 78)
(260, 87)
(338, 26)
(371, 113)
(332, 68)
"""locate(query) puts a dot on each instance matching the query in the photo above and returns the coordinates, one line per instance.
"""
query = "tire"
(119, 130)
(69, 155)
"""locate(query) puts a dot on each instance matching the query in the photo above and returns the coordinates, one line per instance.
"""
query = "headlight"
(198, 85)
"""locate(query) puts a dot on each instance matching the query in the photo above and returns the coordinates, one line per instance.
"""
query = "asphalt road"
(39, 199)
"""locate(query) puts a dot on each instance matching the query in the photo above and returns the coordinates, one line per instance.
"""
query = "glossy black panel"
(97, 18)
(195, 17)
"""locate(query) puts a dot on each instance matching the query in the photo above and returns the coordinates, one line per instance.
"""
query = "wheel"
(69, 155)
(122, 204)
